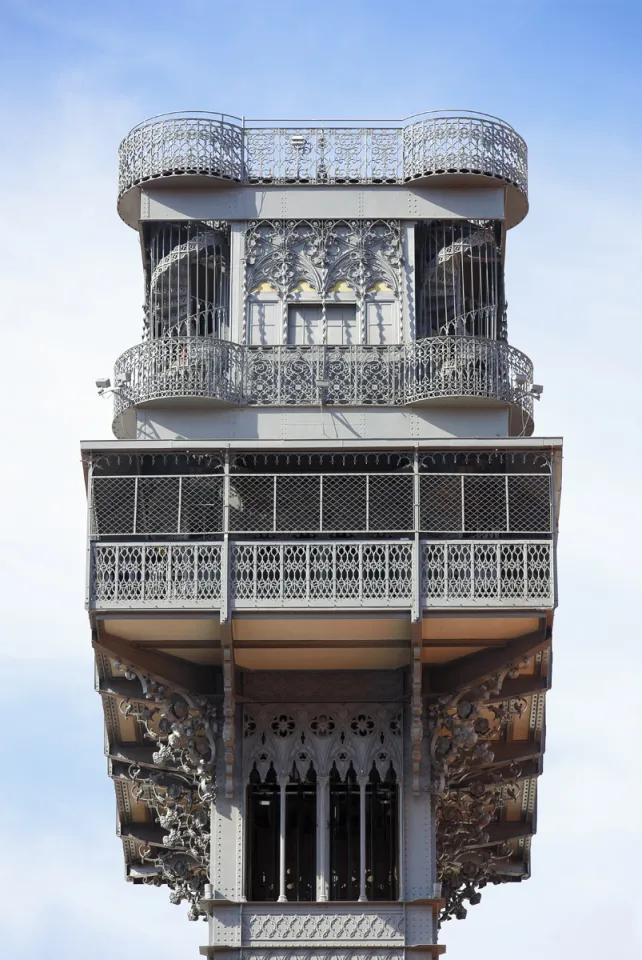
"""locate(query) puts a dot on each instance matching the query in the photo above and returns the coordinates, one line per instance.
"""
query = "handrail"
(356, 375)
(243, 150)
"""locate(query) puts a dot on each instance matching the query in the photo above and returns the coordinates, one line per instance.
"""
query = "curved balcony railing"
(357, 375)
(325, 152)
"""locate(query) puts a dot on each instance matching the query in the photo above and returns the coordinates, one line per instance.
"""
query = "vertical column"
(362, 838)
(283, 782)
(400, 840)
(323, 846)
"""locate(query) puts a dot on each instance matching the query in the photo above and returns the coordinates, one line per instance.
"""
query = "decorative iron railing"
(320, 574)
(324, 152)
(359, 375)
(340, 503)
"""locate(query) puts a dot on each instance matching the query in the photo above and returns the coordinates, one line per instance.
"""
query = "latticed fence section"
(156, 505)
(321, 574)
(496, 573)
(482, 504)
(225, 147)
(337, 503)
(156, 574)
(352, 375)
(377, 574)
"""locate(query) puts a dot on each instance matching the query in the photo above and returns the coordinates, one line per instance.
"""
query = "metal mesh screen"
(440, 500)
(484, 504)
(344, 502)
(297, 503)
(113, 505)
(529, 503)
(252, 504)
(202, 504)
(477, 504)
(391, 503)
(157, 505)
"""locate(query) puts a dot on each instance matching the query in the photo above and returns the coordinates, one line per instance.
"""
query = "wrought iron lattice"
(156, 574)
(226, 147)
(321, 574)
(356, 573)
(357, 375)
(317, 503)
(458, 573)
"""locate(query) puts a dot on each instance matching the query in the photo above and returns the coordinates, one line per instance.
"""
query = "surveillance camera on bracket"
(103, 383)
(537, 390)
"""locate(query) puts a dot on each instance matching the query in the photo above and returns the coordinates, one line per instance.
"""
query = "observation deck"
(449, 148)
(427, 371)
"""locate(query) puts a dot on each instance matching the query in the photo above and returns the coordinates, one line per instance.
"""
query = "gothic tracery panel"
(330, 736)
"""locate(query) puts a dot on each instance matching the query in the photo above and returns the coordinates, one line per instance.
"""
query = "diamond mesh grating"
(252, 504)
(297, 503)
(157, 505)
(440, 503)
(484, 504)
(391, 503)
(344, 502)
(529, 504)
(113, 505)
(202, 504)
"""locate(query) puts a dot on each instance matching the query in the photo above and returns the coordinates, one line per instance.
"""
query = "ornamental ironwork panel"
(355, 573)
(334, 735)
(155, 575)
(357, 375)
(174, 145)
(318, 574)
(323, 253)
(227, 148)
(465, 144)
(495, 573)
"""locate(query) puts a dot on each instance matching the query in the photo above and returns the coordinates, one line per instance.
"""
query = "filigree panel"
(323, 252)
(329, 736)
(344, 927)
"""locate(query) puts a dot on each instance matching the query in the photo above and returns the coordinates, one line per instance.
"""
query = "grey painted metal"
(318, 574)
(316, 503)
(247, 202)
(358, 375)
(330, 152)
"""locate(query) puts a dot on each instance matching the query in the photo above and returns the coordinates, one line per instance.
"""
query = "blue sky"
(73, 78)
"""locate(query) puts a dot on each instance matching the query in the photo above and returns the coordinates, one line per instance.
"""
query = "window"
(263, 809)
(380, 322)
(341, 323)
(265, 321)
(324, 836)
(305, 323)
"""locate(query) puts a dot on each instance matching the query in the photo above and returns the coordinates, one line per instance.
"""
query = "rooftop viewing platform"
(452, 147)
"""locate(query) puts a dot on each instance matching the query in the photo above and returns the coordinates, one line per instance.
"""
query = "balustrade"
(358, 375)
(333, 152)
(373, 574)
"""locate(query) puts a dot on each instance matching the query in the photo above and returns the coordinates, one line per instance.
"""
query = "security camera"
(104, 383)
(537, 390)
(520, 379)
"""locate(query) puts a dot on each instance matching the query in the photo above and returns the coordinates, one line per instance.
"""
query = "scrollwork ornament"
(183, 728)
